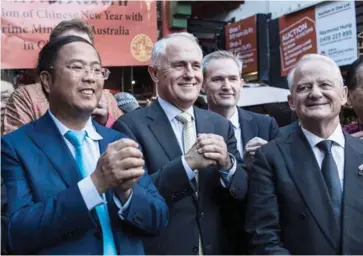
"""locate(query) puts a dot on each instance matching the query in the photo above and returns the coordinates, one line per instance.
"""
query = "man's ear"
(46, 80)
(291, 103)
(153, 71)
(345, 96)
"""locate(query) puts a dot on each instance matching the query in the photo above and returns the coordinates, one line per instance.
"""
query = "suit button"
(201, 215)
(195, 249)
(302, 216)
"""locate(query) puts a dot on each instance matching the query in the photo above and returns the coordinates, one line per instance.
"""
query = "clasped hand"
(119, 167)
(208, 150)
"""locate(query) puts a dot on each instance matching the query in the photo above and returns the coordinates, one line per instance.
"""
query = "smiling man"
(222, 84)
(74, 186)
(305, 187)
(191, 153)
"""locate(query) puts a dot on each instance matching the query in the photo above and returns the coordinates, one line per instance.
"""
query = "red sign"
(241, 40)
(124, 30)
(297, 38)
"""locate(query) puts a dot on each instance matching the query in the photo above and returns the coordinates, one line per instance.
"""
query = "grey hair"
(315, 57)
(159, 48)
(290, 78)
(221, 55)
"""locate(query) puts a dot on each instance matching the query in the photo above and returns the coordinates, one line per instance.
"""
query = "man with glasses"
(74, 186)
(30, 102)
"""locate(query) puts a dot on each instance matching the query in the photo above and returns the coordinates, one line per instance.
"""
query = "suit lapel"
(247, 126)
(49, 140)
(163, 132)
(306, 174)
(106, 138)
(353, 185)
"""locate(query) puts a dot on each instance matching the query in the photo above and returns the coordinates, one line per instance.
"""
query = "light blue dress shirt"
(88, 190)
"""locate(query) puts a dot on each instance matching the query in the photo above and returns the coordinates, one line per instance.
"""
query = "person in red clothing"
(355, 87)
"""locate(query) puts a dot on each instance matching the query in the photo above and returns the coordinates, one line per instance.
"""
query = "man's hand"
(209, 149)
(253, 145)
(119, 167)
(100, 113)
(358, 135)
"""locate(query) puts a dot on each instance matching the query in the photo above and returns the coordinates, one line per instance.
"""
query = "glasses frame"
(87, 70)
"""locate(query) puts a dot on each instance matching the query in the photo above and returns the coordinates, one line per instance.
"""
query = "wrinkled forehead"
(316, 70)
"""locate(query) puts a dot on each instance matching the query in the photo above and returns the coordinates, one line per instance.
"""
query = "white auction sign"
(336, 31)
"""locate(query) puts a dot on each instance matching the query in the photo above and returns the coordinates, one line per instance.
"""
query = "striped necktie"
(189, 138)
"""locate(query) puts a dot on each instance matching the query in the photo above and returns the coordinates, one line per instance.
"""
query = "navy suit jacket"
(289, 210)
(151, 128)
(256, 125)
(47, 212)
(287, 129)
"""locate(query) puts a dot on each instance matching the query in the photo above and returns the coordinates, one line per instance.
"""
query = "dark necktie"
(331, 177)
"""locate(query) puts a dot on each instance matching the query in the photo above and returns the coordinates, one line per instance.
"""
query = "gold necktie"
(189, 138)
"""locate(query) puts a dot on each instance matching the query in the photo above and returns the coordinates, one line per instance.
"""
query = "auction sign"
(328, 29)
(124, 31)
(297, 38)
(241, 40)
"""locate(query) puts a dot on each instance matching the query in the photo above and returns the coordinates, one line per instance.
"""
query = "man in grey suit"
(191, 153)
(305, 187)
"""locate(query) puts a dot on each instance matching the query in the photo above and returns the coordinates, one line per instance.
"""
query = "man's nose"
(189, 72)
(315, 92)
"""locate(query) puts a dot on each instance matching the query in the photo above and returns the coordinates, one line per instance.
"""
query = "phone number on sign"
(336, 36)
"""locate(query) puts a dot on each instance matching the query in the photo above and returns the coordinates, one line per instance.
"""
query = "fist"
(120, 166)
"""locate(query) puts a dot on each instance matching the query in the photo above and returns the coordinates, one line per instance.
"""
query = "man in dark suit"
(305, 187)
(287, 129)
(190, 152)
(222, 84)
(73, 186)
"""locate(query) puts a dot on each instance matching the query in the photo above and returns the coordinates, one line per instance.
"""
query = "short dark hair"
(351, 79)
(75, 24)
(49, 53)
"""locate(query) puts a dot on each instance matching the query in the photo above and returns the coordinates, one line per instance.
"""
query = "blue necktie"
(77, 138)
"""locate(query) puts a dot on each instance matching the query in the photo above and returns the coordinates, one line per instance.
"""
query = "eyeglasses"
(81, 71)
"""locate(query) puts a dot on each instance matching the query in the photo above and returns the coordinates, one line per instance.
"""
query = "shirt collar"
(337, 136)
(235, 119)
(171, 111)
(89, 128)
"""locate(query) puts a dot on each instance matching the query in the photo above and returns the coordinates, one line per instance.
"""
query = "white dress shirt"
(337, 149)
(171, 112)
(88, 190)
(237, 131)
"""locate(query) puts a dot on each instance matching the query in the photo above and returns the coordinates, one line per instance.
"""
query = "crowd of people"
(85, 172)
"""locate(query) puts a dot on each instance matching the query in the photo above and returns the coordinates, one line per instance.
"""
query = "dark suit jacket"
(289, 209)
(151, 128)
(47, 212)
(287, 129)
(252, 125)
(256, 125)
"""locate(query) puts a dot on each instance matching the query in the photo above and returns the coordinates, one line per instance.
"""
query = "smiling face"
(179, 77)
(69, 91)
(222, 83)
(317, 95)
